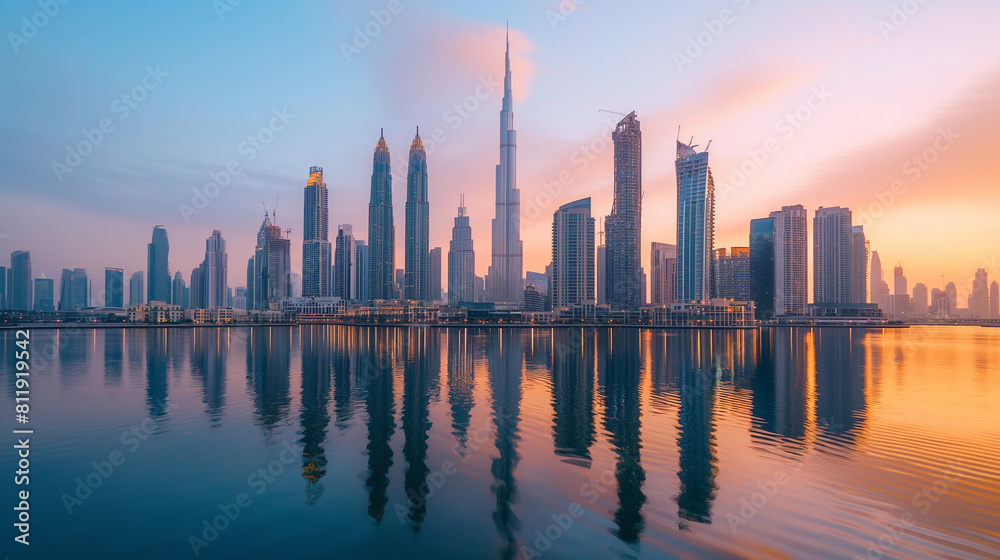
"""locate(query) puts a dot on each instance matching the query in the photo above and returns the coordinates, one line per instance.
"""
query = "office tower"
(344, 282)
(860, 251)
(572, 254)
(994, 300)
(504, 279)
(879, 286)
(461, 260)
(662, 273)
(979, 302)
(381, 231)
(951, 298)
(136, 290)
(316, 250)
(251, 280)
(272, 267)
(480, 289)
(623, 288)
(157, 274)
(177, 290)
(532, 300)
(435, 269)
(601, 267)
(19, 282)
(901, 297)
(43, 292)
(762, 266)
(197, 285)
(361, 267)
(791, 260)
(114, 287)
(732, 273)
(81, 289)
(216, 265)
(3, 288)
(832, 255)
(66, 283)
(416, 282)
(695, 224)
(919, 304)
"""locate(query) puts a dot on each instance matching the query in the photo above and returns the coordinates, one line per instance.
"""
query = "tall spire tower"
(417, 275)
(505, 272)
(381, 230)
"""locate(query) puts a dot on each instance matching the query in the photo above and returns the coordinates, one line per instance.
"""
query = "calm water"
(351, 442)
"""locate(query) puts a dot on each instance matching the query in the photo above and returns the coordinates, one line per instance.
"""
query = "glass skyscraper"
(762, 279)
(316, 251)
(624, 224)
(381, 230)
(417, 275)
(461, 260)
(344, 257)
(19, 283)
(44, 288)
(114, 287)
(157, 272)
(695, 224)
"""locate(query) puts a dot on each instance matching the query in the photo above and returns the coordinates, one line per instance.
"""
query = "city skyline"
(880, 155)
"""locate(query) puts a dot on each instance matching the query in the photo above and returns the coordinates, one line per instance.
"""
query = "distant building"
(994, 300)
(272, 266)
(480, 289)
(381, 230)
(397, 285)
(979, 302)
(136, 290)
(732, 274)
(695, 224)
(417, 276)
(345, 255)
(919, 302)
(951, 296)
(534, 300)
(198, 290)
(860, 252)
(178, 291)
(44, 294)
(572, 254)
(316, 258)
(216, 267)
(662, 273)
(762, 266)
(832, 255)
(461, 260)
(901, 295)
(19, 282)
(791, 261)
(157, 271)
(296, 285)
(81, 288)
(66, 297)
(3, 288)
(361, 269)
(114, 287)
(435, 265)
(601, 273)
(624, 225)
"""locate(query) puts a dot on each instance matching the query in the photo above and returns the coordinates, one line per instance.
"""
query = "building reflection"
(314, 416)
(664, 346)
(505, 362)
(156, 373)
(573, 394)
(209, 351)
(114, 355)
(375, 376)
(780, 406)
(840, 383)
(461, 382)
(345, 359)
(618, 363)
(74, 345)
(696, 386)
(268, 362)
(421, 369)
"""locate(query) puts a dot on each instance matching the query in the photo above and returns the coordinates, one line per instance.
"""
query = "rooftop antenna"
(274, 214)
(678, 133)
(708, 146)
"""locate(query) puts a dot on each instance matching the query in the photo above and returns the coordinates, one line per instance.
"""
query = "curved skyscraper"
(158, 282)
(381, 231)
(695, 224)
(505, 273)
(417, 275)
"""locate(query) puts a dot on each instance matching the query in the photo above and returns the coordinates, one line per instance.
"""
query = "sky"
(118, 116)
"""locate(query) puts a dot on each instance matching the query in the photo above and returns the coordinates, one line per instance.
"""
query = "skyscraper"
(315, 237)
(602, 269)
(362, 268)
(3, 288)
(114, 287)
(622, 227)
(506, 268)
(919, 303)
(979, 305)
(879, 286)
(832, 255)
(81, 289)
(381, 231)
(791, 260)
(66, 283)
(695, 224)
(251, 281)
(136, 290)
(572, 254)
(272, 267)
(994, 300)
(44, 288)
(461, 260)
(860, 251)
(416, 282)
(762, 266)
(158, 288)
(345, 284)
(435, 274)
(732, 273)
(901, 295)
(662, 273)
(216, 278)
(19, 282)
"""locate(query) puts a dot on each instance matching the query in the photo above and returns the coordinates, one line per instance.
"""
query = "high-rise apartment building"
(316, 253)
(695, 224)
(157, 270)
(901, 293)
(860, 252)
(216, 277)
(381, 230)
(361, 267)
(573, 254)
(880, 294)
(114, 287)
(791, 260)
(919, 305)
(417, 269)
(732, 273)
(602, 269)
(762, 266)
(136, 290)
(19, 282)
(979, 303)
(44, 289)
(461, 260)
(623, 226)
(832, 255)
(344, 281)
(662, 273)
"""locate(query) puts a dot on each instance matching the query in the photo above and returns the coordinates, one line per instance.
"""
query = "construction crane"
(612, 112)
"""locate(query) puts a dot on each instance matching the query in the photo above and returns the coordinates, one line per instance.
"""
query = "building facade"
(417, 269)
(791, 260)
(216, 276)
(157, 269)
(381, 230)
(695, 224)
(19, 282)
(762, 266)
(316, 251)
(732, 274)
(832, 255)
(136, 290)
(44, 294)
(860, 253)
(435, 266)
(623, 225)
(344, 281)
(573, 254)
(114, 287)
(272, 267)
(662, 273)
(461, 260)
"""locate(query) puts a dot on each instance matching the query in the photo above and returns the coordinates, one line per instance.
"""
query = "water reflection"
(268, 362)
(209, 353)
(313, 416)
(573, 394)
(504, 359)
(375, 373)
(421, 366)
(840, 384)
(461, 384)
(696, 386)
(156, 373)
